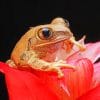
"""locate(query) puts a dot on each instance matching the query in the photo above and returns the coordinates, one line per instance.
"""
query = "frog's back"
(21, 46)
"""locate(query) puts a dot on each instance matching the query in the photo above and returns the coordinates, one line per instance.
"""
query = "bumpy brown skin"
(27, 49)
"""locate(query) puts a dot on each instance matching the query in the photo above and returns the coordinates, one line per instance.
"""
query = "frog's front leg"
(57, 66)
(31, 58)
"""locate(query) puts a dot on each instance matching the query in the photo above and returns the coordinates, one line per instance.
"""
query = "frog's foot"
(11, 63)
(81, 47)
(57, 66)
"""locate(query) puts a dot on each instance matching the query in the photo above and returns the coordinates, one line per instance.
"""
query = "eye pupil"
(46, 32)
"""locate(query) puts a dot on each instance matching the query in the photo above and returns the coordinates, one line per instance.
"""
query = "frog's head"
(50, 38)
(58, 30)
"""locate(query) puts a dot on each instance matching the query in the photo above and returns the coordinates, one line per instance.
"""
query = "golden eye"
(45, 33)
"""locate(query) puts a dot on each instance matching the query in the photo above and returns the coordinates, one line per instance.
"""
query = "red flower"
(82, 84)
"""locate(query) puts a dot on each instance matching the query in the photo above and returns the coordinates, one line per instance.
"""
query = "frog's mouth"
(51, 42)
(64, 39)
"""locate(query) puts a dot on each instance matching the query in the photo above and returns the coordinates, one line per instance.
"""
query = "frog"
(41, 46)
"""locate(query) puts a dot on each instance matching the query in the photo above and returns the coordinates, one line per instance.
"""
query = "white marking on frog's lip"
(52, 42)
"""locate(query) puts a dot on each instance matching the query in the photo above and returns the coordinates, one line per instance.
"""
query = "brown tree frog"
(41, 47)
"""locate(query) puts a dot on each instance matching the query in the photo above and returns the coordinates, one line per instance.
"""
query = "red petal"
(92, 52)
(96, 76)
(55, 84)
(79, 81)
(23, 85)
(74, 84)
(93, 94)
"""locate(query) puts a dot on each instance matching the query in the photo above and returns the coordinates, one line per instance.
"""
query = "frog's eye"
(45, 33)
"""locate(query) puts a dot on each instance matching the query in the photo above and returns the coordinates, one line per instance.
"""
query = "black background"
(16, 16)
